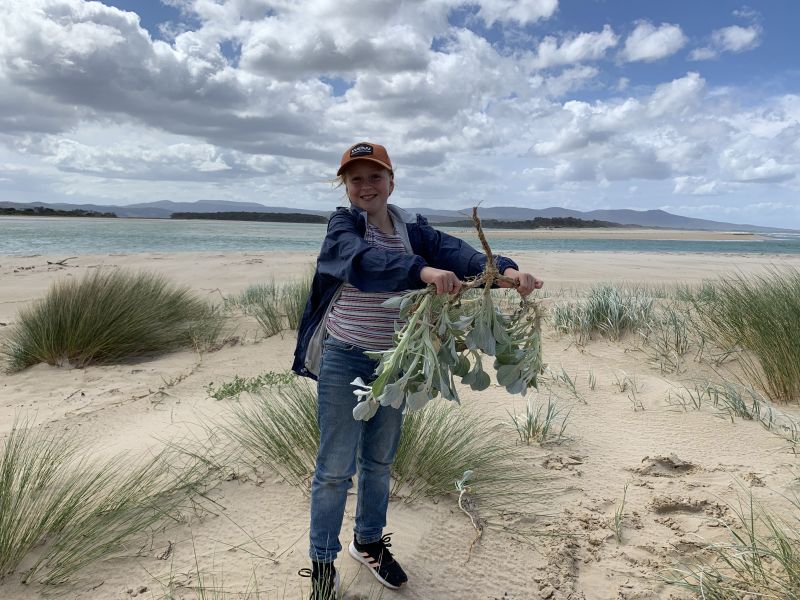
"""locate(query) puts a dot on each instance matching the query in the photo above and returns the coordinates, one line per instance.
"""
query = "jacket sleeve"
(448, 252)
(346, 256)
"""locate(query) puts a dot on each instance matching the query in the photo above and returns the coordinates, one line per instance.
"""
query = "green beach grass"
(108, 317)
(761, 558)
(67, 511)
(759, 315)
(606, 309)
(540, 423)
(275, 307)
(278, 430)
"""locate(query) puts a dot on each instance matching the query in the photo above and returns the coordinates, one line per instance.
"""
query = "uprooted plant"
(444, 336)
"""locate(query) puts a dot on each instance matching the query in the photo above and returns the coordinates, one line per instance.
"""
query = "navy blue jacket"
(347, 257)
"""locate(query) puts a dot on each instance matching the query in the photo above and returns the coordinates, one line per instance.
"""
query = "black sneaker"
(324, 580)
(380, 561)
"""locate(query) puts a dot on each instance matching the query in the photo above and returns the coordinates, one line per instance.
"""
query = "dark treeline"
(41, 211)
(252, 216)
(538, 223)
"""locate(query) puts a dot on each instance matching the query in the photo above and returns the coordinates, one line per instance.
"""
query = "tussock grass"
(690, 398)
(279, 430)
(110, 316)
(668, 337)
(619, 515)
(690, 293)
(294, 296)
(442, 441)
(733, 401)
(275, 307)
(626, 383)
(629, 384)
(761, 560)
(568, 381)
(760, 315)
(604, 309)
(540, 423)
(72, 512)
(262, 302)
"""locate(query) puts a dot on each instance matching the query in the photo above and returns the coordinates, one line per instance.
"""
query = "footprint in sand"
(665, 466)
(663, 505)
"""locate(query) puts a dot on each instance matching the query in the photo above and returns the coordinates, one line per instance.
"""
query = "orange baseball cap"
(365, 151)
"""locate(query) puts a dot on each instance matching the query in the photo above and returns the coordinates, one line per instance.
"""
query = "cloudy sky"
(689, 106)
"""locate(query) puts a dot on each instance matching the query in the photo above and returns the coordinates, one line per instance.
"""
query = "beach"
(675, 473)
(619, 233)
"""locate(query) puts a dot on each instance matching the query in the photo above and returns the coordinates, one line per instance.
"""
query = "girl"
(372, 251)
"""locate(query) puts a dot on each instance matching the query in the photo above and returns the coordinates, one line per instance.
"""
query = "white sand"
(613, 233)
(669, 512)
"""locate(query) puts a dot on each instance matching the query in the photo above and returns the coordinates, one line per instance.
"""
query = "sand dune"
(681, 468)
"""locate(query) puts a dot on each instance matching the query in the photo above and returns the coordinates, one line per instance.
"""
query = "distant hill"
(162, 209)
(641, 218)
(269, 217)
(120, 211)
(540, 223)
(44, 211)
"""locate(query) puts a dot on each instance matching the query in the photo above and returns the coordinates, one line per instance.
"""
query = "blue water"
(52, 235)
(75, 236)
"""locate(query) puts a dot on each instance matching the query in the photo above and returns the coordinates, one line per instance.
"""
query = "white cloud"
(676, 132)
(677, 96)
(307, 38)
(762, 146)
(697, 186)
(649, 43)
(94, 108)
(736, 39)
(704, 53)
(176, 162)
(728, 39)
(576, 170)
(522, 12)
(750, 167)
(574, 49)
(582, 125)
(745, 13)
(569, 80)
(634, 161)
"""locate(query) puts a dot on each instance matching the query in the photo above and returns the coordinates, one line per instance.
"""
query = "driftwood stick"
(481, 236)
(481, 280)
(490, 273)
(474, 519)
(490, 270)
(61, 262)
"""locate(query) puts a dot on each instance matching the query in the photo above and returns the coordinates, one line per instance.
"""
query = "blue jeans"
(344, 444)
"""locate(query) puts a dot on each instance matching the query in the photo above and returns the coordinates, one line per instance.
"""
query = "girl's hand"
(527, 282)
(446, 282)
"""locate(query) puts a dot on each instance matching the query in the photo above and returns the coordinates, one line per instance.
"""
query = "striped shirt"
(357, 317)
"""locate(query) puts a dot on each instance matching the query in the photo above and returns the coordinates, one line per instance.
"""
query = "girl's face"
(368, 186)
